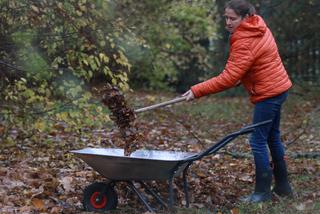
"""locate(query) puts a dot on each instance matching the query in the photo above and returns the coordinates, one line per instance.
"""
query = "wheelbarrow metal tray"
(140, 165)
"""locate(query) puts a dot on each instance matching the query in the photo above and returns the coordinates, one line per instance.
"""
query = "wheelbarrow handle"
(227, 139)
(251, 127)
(169, 102)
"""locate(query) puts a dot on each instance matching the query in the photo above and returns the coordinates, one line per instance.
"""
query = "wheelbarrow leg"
(155, 195)
(185, 185)
(141, 197)
(171, 200)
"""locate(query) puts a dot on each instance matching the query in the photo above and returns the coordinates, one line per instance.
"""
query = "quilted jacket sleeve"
(239, 62)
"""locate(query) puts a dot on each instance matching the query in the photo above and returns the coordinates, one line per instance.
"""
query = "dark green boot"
(282, 186)
(262, 188)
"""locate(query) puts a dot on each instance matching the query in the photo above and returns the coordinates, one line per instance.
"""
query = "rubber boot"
(262, 190)
(282, 186)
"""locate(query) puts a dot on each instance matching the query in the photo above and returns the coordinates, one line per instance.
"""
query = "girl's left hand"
(189, 95)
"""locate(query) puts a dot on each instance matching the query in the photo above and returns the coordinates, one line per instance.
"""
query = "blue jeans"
(267, 136)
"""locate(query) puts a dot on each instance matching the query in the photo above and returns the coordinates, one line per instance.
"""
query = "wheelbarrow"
(142, 166)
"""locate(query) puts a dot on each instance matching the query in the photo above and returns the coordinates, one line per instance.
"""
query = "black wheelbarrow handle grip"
(176, 100)
(217, 146)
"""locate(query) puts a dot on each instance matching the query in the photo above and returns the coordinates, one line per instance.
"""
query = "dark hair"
(241, 7)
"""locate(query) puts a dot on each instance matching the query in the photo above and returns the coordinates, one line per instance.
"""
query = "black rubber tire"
(109, 200)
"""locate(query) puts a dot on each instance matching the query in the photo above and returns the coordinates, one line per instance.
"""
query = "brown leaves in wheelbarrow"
(123, 116)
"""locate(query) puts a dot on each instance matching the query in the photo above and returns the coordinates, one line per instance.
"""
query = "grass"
(303, 178)
(217, 109)
(269, 207)
(317, 205)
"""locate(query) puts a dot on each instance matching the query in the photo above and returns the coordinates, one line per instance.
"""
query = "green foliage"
(50, 53)
(68, 34)
(173, 43)
(32, 110)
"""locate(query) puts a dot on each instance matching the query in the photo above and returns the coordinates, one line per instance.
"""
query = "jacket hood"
(253, 26)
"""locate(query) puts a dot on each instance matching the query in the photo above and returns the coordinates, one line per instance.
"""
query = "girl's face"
(232, 20)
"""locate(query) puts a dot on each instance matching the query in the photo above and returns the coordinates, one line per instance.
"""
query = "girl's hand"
(189, 95)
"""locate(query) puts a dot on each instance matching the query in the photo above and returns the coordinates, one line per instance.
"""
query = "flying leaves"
(123, 116)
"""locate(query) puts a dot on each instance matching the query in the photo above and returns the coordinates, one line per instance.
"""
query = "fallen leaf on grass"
(3, 171)
(66, 183)
(307, 205)
(2, 129)
(201, 174)
(26, 209)
(56, 210)
(37, 191)
(38, 203)
(235, 211)
(246, 178)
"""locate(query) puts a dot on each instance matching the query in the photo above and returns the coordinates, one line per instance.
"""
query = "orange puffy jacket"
(254, 60)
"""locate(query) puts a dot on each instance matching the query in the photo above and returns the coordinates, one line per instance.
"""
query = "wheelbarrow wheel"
(99, 197)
